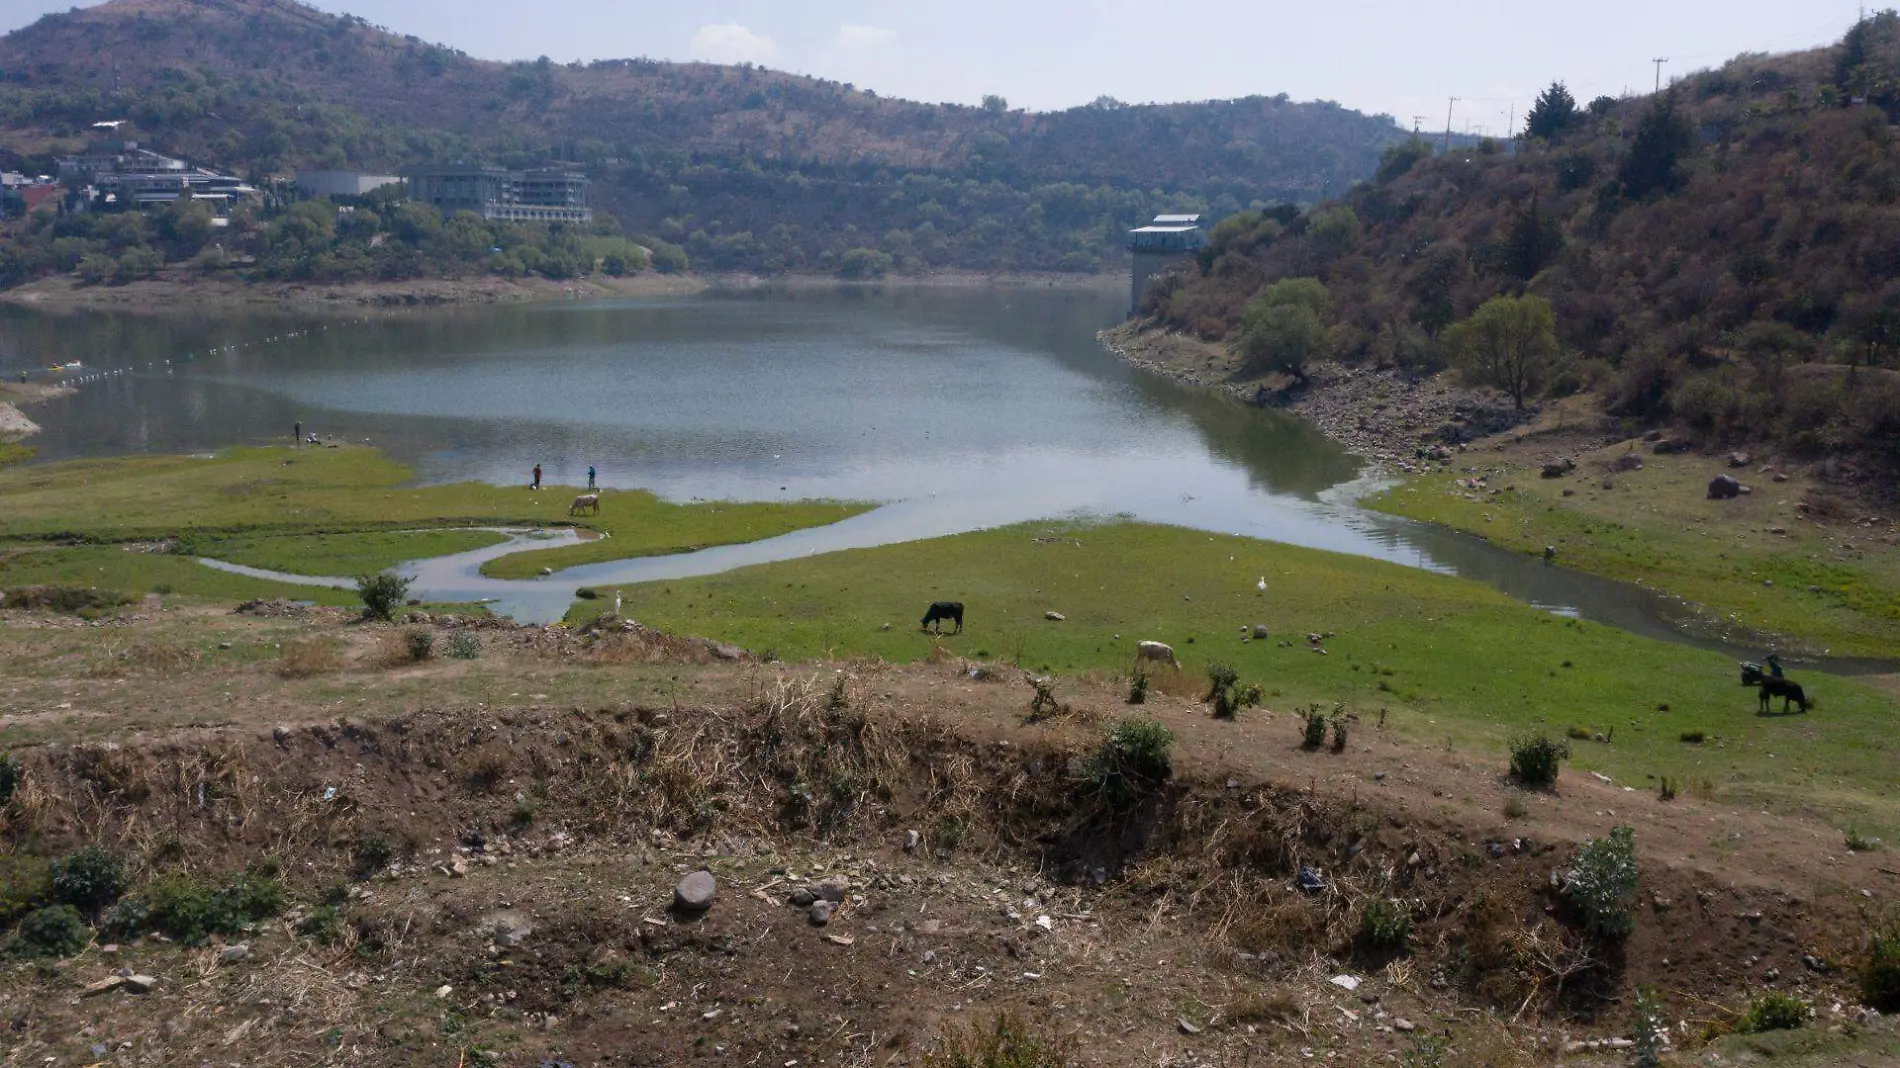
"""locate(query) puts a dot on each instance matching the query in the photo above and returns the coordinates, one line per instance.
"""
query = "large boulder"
(1725, 488)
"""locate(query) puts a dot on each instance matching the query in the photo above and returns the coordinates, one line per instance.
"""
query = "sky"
(1404, 58)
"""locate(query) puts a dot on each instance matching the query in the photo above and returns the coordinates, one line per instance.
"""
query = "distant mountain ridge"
(262, 86)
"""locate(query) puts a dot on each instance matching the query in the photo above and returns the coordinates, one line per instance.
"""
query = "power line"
(1448, 110)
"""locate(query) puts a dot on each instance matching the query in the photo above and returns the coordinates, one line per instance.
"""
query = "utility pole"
(1417, 122)
(1659, 62)
(1448, 111)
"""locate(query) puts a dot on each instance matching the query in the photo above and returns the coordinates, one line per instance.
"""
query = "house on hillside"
(549, 195)
(120, 174)
(1168, 240)
(341, 183)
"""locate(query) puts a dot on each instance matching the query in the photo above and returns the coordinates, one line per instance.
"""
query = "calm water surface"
(960, 409)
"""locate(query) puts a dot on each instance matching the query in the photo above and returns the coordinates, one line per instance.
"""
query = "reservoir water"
(956, 409)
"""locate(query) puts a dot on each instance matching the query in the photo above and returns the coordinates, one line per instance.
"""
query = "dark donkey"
(942, 610)
(1773, 686)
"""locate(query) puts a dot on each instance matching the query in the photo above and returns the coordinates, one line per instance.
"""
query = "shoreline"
(175, 287)
(15, 427)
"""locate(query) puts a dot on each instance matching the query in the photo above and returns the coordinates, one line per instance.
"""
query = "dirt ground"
(536, 806)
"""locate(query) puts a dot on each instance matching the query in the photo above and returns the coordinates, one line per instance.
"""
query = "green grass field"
(1818, 588)
(345, 555)
(254, 496)
(1448, 659)
(111, 567)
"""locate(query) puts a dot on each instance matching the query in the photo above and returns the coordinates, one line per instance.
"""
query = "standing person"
(537, 477)
(590, 477)
(296, 435)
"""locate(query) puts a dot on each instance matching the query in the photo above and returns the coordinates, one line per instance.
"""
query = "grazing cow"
(1773, 686)
(586, 502)
(942, 610)
(1157, 653)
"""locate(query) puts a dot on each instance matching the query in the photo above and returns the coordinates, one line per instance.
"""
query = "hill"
(1723, 258)
(745, 167)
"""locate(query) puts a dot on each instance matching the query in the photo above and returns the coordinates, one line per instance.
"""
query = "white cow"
(1155, 652)
(586, 502)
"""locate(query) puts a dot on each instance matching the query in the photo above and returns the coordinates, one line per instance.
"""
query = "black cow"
(942, 610)
(1773, 686)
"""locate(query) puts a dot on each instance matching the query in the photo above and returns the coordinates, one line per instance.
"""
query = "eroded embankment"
(613, 803)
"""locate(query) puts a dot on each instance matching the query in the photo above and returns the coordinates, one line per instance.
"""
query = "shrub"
(1044, 699)
(1667, 790)
(371, 853)
(1694, 737)
(1384, 925)
(1228, 701)
(838, 699)
(1880, 972)
(1652, 1029)
(1006, 1043)
(323, 925)
(382, 594)
(1860, 843)
(26, 883)
(1534, 760)
(89, 880)
(1138, 689)
(186, 909)
(1775, 1011)
(1312, 728)
(1602, 883)
(1132, 760)
(10, 775)
(1340, 727)
(464, 645)
(421, 645)
(1578, 734)
(54, 931)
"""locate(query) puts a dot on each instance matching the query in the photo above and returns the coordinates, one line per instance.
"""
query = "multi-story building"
(145, 190)
(549, 195)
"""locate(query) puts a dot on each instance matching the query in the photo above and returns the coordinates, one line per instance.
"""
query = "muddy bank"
(14, 425)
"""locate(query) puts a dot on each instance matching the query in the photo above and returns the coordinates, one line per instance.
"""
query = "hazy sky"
(1402, 57)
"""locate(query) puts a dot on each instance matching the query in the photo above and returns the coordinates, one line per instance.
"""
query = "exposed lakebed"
(956, 409)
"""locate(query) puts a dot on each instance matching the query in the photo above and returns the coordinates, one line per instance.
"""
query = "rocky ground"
(481, 872)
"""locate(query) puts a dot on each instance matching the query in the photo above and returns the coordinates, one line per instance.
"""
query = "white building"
(341, 183)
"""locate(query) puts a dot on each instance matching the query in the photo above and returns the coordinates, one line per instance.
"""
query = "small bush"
(1340, 727)
(1312, 728)
(1880, 971)
(1535, 759)
(1384, 926)
(54, 931)
(464, 645)
(26, 884)
(1006, 1043)
(382, 594)
(1652, 1028)
(1694, 737)
(371, 853)
(1516, 809)
(1044, 699)
(1579, 734)
(838, 699)
(1221, 678)
(1860, 843)
(1602, 883)
(1775, 1011)
(10, 775)
(1132, 761)
(421, 645)
(89, 880)
(1138, 689)
(186, 909)
(1667, 791)
(323, 925)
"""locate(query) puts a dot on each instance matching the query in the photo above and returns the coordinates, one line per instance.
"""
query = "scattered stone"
(821, 912)
(1187, 1026)
(1666, 446)
(234, 953)
(1814, 963)
(1345, 982)
(912, 840)
(1403, 1025)
(834, 889)
(1739, 459)
(140, 984)
(1559, 469)
(802, 898)
(458, 867)
(1724, 488)
(103, 986)
(695, 893)
(509, 929)
(1629, 461)
(280, 734)
(1311, 881)
(841, 940)
(547, 571)
(1055, 617)
(1260, 632)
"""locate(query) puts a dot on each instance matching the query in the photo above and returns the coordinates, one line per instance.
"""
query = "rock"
(1667, 446)
(140, 984)
(1260, 632)
(224, 646)
(1310, 880)
(1779, 477)
(1055, 617)
(458, 867)
(1814, 963)
(695, 893)
(821, 912)
(1739, 459)
(509, 929)
(103, 986)
(547, 571)
(280, 734)
(1629, 461)
(1345, 982)
(1724, 488)
(1187, 1026)
(1403, 1025)
(1653, 435)
(1559, 469)
(234, 953)
(802, 898)
(912, 840)
(834, 889)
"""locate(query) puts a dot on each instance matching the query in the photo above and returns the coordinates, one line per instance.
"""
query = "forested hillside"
(744, 167)
(1724, 257)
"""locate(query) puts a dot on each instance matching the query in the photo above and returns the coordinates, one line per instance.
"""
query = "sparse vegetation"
(10, 775)
(1312, 727)
(421, 645)
(1131, 762)
(464, 645)
(1601, 883)
(302, 658)
(1535, 760)
(382, 594)
(1138, 688)
(1880, 968)
(55, 931)
(1224, 691)
(1857, 842)
(89, 879)
(1652, 1028)
(1775, 1011)
(1384, 926)
(1006, 1043)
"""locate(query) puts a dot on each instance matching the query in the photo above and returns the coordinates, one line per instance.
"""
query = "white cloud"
(729, 42)
(864, 37)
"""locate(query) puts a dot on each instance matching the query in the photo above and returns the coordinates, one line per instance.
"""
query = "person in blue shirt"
(590, 477)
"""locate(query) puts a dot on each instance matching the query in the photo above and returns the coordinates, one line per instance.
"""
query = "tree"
(1285, 326)
(1399, 159)
(995, 105)
(1664, 137)
(1435, 286)
(1508, 344)
(1533, 240)
(1554, 112)
(1603, 107)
